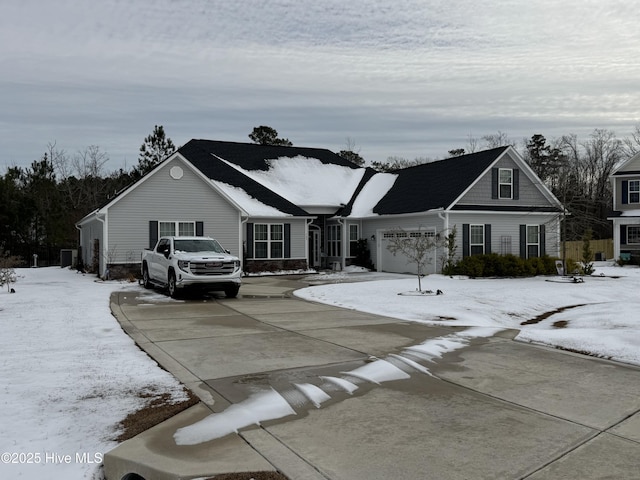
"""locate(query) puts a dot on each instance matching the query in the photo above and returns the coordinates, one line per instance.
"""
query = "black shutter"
(523, 241)
(543, 241)
(249, 240)
(487, 238)
(623, 234)
(465, 240)
(494, 183)
(516, 184)
(199, 229)
(153, 233)
(287, 240)
(625, 192)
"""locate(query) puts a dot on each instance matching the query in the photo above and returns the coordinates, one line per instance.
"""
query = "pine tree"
(264, 135)
(156, 147)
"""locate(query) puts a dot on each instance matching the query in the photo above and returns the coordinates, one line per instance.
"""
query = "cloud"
(408, 78)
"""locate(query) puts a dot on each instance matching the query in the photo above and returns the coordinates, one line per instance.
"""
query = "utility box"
(68, 258)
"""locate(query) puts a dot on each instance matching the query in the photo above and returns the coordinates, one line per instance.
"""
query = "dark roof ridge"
(467, 156)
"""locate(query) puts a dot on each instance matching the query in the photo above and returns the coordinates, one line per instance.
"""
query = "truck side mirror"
(166, 252)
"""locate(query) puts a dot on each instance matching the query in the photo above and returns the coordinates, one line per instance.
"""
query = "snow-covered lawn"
(599, 316)
(70, 374)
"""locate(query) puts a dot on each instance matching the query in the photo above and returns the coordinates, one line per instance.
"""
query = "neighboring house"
(625, 180)
(290, 207)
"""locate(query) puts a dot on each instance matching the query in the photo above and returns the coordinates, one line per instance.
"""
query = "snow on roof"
(376, 188)
(250, 205)
(307, 181)
(630, 213)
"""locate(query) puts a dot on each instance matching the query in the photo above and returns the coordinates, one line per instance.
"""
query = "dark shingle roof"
(435, 185)
(252, 156)
(202, 154)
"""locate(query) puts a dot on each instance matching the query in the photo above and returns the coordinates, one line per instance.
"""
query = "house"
(291, 207)
(625, 180)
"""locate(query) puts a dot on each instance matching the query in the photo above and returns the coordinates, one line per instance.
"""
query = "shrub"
(494, 265)
(362, 254)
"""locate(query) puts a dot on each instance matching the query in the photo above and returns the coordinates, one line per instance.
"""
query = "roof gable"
(435, 185)
(631, 166)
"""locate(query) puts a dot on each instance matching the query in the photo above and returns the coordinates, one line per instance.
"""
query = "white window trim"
(353, 241)
(471, 243)
(334, 240)
(269, 241)
(629, 227)
(634, 191)
(528, 243)
(501, 183)
(176, 227)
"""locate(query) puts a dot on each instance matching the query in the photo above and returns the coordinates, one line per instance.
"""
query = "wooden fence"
(600, 248)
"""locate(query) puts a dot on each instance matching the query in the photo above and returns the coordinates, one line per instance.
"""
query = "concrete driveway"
(494, 409)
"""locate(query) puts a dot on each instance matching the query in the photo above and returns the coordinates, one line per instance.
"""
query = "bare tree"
(472, 144)
(583, 184)
(632, 144)
(351, 154)
(495, 140)
(416, 247)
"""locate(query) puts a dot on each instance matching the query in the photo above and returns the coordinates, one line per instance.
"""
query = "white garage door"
(399, 263)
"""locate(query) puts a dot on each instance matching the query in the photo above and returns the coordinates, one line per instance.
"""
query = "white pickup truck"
(200, 263)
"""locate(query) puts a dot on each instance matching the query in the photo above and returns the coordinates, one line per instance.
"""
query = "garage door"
(399, 263)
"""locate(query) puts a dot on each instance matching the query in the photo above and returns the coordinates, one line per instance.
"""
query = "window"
(167, 229)
(505, 183)
(633, 234)
(268, 240)
(184, 229)
(334, 240)
(476, 239)
(634, 191)
(163, 246)
(533, 241)
(353, 240)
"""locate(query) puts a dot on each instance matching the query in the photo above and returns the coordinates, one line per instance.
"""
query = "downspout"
(241, 249)
(79, 228)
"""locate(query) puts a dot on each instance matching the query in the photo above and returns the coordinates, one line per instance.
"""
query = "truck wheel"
(232, 292)
(173, 289)
(146, 281)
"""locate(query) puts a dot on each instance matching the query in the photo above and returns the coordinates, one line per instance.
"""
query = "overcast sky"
(406, 78)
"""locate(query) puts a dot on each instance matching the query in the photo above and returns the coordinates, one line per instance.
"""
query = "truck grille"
(211, 268)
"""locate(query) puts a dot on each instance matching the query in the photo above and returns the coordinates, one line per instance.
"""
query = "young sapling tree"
(587, 254)
(416, 246)
(7, 269)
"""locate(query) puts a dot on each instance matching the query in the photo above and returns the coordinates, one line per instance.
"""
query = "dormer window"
(634, 191)
(505, 183)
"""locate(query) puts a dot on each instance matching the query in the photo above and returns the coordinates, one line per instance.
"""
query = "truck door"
(160, 262)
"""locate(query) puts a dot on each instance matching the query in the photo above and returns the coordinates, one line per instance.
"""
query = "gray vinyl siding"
(163, 198)
(507, 226)
(298, 239)
(480, 193)
(620, 192)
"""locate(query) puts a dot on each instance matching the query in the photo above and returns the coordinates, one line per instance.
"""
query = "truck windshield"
(204, 245)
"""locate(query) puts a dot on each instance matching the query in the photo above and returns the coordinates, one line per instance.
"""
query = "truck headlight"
(236, 264)
(183, 265)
